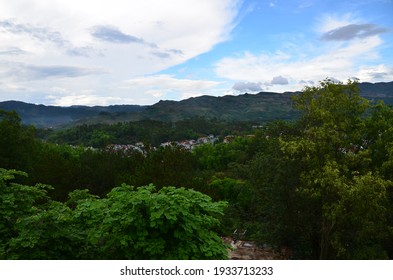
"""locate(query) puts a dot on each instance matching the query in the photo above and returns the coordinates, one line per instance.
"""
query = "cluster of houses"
(138, 147)
(186, 144)
(190, 144)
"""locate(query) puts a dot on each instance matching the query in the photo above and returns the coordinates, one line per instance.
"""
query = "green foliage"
(219, 157)
(331, 117)
(130, 223)
(355, 220)
(51, 233)
(16, 142)
(143, 224)
(152, 132)
(16, 201)
(321, 193)
(278, 214)
(379, 136)
(171, 165)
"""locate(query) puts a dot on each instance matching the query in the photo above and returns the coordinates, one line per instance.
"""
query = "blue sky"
(100, 52)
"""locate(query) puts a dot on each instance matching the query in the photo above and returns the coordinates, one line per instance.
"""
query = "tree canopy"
(324, 196)
(129, 223)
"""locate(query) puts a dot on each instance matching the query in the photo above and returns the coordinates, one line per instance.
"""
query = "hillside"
(53, 116)
(261, 107)
(257, 107)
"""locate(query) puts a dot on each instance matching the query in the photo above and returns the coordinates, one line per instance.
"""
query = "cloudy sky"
(101, 52)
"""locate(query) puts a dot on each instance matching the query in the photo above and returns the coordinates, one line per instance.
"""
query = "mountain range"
(260, 107)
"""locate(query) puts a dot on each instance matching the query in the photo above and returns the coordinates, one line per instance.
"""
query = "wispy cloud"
(43, 72)
(114, 35)
(167, 53)
(42, 34)
(12, 51)
(352, 31)
(21, 71)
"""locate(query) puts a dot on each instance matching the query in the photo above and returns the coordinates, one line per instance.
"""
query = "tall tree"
(331, 176)
(16, 202)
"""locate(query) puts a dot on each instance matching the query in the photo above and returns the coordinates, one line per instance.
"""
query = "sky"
(101, 52)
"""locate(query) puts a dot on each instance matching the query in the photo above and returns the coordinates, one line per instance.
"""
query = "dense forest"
(320, 185)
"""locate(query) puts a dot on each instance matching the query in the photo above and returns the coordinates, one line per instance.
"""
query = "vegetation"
(324, 194)
(320, 185)
(129, 223)
(150, 132)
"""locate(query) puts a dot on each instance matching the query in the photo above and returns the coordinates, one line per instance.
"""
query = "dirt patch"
(248, 250)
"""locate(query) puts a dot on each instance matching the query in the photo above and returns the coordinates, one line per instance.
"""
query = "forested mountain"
(261, 107)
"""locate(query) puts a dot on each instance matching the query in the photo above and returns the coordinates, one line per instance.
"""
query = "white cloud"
(357, 56)
(279, 80)
(247, 87)
(191, 26)
(120, 38)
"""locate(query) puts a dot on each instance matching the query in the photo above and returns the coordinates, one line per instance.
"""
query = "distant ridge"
(261, 107)
(54, 116)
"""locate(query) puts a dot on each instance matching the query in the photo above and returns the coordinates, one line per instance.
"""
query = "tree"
(16, 201)
(379, 138)
(332, 118)
(129, 223)
(379, 142)
(354, 225)
(322, 176)
(278, 215)
(172, 223)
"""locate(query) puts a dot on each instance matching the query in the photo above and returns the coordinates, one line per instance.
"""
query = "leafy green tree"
(331, 146)
(379, 138)
(355, 223)
(219, 157)
(379, 143)
(100, 139)
(16, 201)
(322, 177)
(129, 223)
(172, 223)
(52, 232)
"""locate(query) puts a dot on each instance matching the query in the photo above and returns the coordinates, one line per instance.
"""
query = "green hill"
(261, 107)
